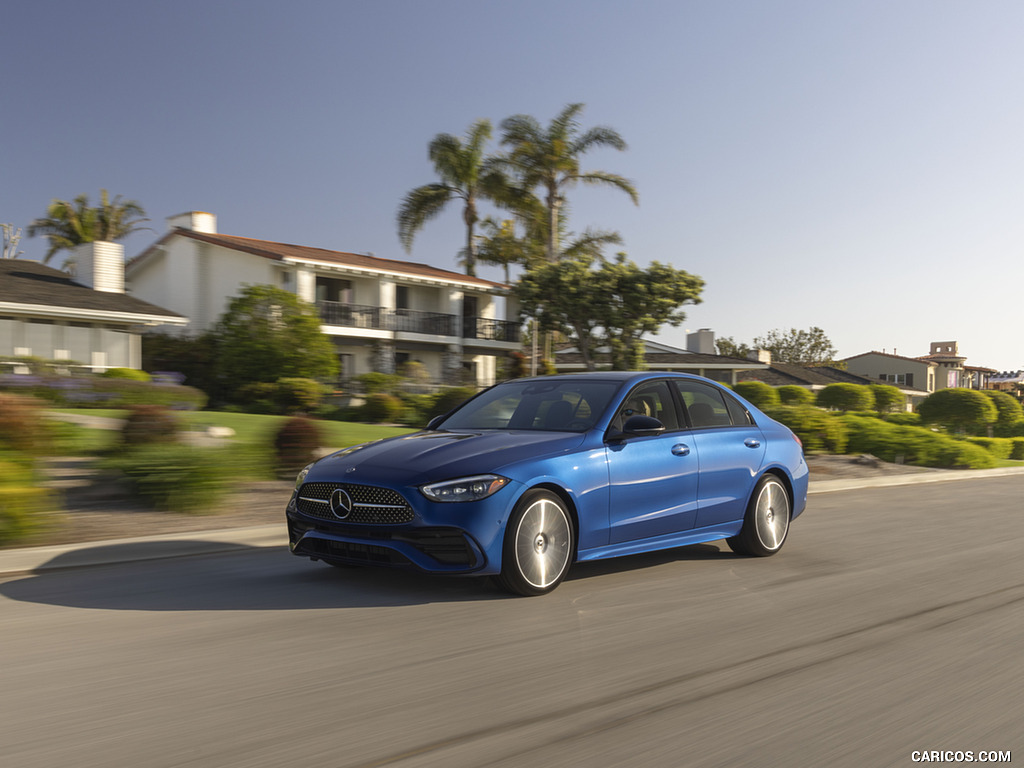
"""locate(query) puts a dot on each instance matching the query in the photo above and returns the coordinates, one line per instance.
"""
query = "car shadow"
(269, 579)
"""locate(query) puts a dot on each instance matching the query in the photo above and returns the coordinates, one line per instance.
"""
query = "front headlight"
(301, 477)
(465, 488)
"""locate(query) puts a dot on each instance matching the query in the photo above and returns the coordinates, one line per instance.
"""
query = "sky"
(852, 165)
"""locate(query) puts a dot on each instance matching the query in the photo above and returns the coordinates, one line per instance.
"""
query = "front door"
(653, 479)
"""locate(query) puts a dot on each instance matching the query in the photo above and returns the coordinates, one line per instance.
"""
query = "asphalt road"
(892, 622)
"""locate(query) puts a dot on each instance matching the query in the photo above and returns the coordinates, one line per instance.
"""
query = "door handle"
(752, 442)
(680, 449)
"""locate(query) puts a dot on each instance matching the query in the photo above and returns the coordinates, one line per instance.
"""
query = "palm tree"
(549, 158)
(463, 171)
(68, 224)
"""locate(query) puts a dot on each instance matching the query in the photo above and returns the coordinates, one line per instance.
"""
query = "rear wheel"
(538, 546)
(767, 520)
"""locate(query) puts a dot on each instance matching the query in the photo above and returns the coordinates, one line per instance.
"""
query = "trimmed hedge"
(818, 430)
(791, 394)
(913, 445)
(1000, 447)
(757, 392)
(847, 397)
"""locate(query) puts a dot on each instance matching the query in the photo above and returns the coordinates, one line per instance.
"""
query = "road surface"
(890, 624)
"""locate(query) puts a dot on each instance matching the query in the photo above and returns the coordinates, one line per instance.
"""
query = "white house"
(85, 319)
(380, 313)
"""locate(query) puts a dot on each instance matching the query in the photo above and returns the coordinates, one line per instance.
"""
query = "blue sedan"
(534, 474)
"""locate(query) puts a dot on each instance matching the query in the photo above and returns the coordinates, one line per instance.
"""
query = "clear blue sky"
(854, 165)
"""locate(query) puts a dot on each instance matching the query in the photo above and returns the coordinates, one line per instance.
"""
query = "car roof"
(619, 376)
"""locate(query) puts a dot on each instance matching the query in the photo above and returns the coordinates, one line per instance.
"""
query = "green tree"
(549, 159)
(846, 397)
(728, 346)
(959, 409)
(639, 301)
(462, 169)
(267, 334)
(69, 224)
(810, 347)
(595, 301)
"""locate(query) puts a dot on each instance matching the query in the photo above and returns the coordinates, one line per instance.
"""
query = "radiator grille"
(354, 504)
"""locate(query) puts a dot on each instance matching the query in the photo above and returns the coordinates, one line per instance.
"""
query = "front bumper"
(434, 537)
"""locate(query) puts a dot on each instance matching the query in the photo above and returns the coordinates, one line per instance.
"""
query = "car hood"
(425, 457)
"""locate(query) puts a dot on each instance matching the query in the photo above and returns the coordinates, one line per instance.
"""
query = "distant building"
(942, 368)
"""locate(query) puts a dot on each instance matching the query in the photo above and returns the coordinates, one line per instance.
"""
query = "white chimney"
(760, 356)
(701, 342)
(100, 266)
(197, 221)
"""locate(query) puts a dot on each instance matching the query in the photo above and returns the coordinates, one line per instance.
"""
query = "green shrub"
(904, 419)
(149, 424)
(1000, 447)
(126, 373)
(20, 419)
(298, 395)
(25, 506)
(99, 392)
(961, 410)
(1010, 414)
(846, 397)
(758, 393)
(887, 398)
(1017, 449)
(382, 408)
(258, 397)
(818, 430)
(176, 477)
(791, 394)
(913, 445)
(374, 383)
(296, 444)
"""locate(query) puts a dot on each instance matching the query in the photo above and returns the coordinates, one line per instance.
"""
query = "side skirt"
(670, 541)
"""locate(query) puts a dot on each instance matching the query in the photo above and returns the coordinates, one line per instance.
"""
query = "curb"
(112, 551)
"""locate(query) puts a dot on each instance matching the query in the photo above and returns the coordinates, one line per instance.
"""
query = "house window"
(902, 379)
(402, 297)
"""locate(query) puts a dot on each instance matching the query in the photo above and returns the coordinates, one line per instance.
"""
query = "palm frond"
(420, 206)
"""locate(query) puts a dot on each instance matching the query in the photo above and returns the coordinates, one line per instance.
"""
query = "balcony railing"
(383, 319)
(416, 321)
(490, 329)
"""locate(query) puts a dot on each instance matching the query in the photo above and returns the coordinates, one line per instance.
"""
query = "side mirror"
(638, 426)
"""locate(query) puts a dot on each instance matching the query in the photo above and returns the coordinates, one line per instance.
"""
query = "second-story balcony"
(384, 319)
(416, 321)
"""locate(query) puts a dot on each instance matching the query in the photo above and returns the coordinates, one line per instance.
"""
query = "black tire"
(539, 544)
(766, 523)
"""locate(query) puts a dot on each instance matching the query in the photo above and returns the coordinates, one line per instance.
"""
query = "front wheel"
(538, 546)
(767, 520)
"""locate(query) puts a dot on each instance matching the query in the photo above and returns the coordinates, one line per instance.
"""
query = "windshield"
(555, 405)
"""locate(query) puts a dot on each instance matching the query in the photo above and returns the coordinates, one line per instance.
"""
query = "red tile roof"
(281, 251)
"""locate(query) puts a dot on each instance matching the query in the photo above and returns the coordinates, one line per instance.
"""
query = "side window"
(740, 415)
(652, 398)
(705, 405)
